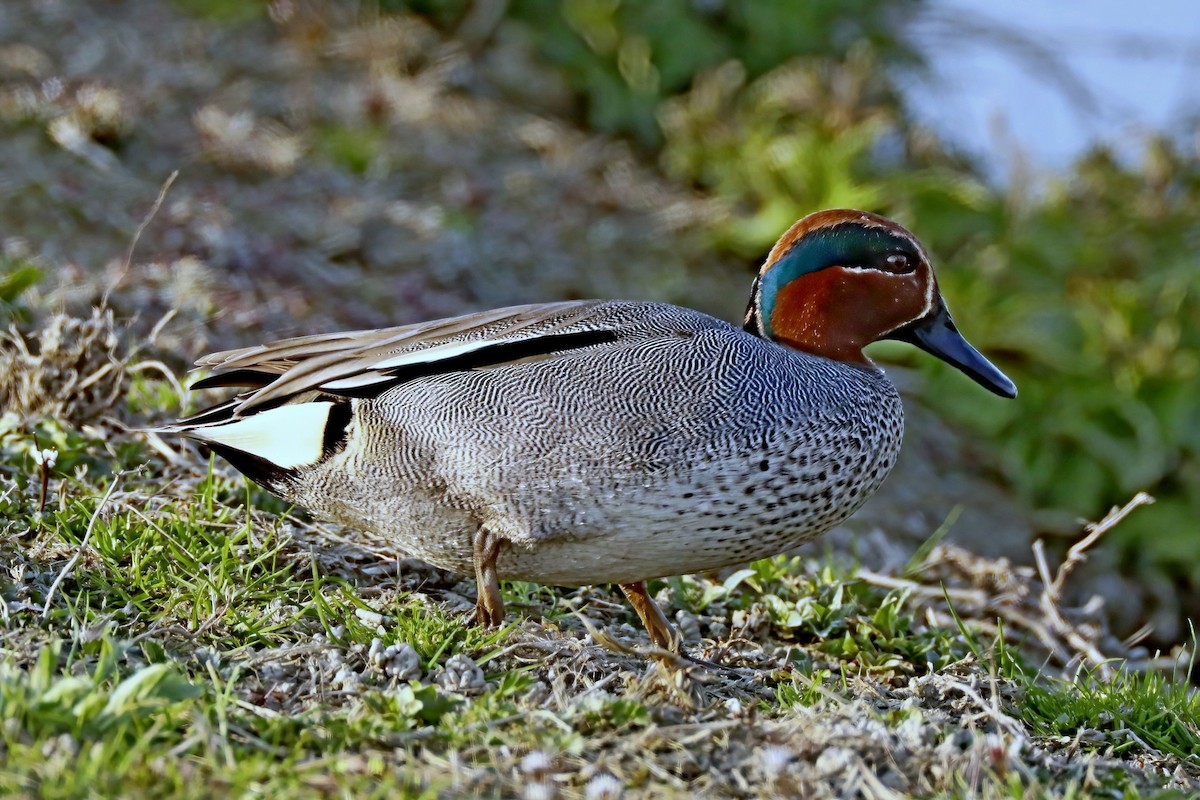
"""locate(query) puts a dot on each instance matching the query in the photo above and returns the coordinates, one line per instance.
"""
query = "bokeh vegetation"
(1085, 290)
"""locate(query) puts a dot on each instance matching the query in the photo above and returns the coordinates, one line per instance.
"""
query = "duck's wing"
(365, 363)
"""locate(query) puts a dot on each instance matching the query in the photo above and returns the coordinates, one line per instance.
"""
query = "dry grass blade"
(87, 537)
(137, 235)
(1051, 595)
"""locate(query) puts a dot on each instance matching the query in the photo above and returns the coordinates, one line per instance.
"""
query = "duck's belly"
(695, 527)
(628, 554)
(716, 513)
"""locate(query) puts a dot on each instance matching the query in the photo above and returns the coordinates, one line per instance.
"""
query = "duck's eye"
(898, 262)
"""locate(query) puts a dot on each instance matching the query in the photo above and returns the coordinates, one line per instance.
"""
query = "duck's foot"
(681, 675)
(662, 632)
(489, 608)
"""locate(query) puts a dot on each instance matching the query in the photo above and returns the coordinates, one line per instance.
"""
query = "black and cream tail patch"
(272, 445)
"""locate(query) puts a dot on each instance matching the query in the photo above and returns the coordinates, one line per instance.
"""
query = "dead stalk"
(1062, 639)
(87, 536)
(1095, 530)
(162, 194)
(1051, 593)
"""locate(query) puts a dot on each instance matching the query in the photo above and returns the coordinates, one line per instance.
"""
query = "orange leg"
(661, 631)
(489, 608)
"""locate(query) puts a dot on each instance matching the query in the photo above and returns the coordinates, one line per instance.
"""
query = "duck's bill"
(938, 335)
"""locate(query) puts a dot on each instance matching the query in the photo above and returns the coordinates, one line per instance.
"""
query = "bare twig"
(1020, 605)
(163, 321)
(1051, 593)
(989, 709)
(1095, 530)
(974, 597)
(162, 194)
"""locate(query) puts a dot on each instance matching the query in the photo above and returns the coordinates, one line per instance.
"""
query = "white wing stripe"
(436, 353)
(355, 382)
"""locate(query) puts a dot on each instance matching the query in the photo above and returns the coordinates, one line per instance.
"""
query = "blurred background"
(360, 164)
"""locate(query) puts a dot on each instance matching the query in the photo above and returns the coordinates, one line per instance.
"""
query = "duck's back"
(657, 440)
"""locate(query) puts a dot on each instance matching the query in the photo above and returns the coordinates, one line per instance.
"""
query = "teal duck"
(602, 441)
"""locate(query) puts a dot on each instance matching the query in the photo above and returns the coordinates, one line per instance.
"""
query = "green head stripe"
(847, 244)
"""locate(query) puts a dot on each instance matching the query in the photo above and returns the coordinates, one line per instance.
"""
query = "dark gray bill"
(938, 335)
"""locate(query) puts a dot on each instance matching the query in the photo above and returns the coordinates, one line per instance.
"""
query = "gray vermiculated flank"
(684, 445)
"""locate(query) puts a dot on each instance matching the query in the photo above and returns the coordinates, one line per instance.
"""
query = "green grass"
(1159, 713)
(194, 650)
(110, 730)
(353, 149)
(135, 679)
(830, 610)
(17, 277)
(1129, 711)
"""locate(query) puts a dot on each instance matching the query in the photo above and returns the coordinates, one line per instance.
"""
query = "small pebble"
(399, 661)
(834, 761)
(462, 675)
(368, 616)
(345, 679)
(689, 625)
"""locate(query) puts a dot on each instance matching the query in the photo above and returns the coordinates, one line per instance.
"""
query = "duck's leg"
(661, 631)
(489, 608)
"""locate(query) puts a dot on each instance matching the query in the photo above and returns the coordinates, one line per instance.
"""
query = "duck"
(601, 441)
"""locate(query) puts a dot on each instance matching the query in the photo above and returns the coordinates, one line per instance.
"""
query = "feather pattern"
(358, 360)
(580, 433)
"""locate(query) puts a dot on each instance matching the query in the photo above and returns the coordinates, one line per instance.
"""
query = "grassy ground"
(170, 630)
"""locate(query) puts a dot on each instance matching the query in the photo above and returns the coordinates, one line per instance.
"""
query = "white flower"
(46, 458)
(604, 787)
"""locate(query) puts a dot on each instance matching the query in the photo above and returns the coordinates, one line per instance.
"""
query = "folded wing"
(365, 363)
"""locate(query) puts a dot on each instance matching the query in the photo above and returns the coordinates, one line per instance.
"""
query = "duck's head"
(838, 280)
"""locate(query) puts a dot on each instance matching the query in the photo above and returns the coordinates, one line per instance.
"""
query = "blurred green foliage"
(1090, 296)
(232, 12)
(811, 134)
(624, 57)
(1086, 292)
(17, 276)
